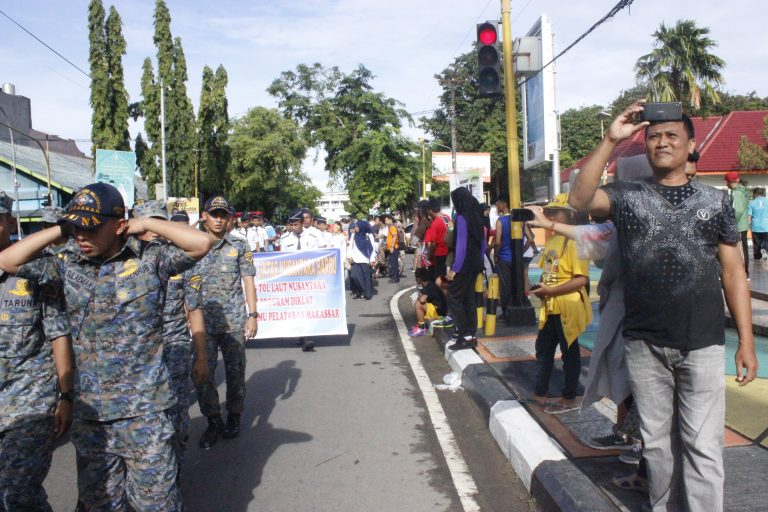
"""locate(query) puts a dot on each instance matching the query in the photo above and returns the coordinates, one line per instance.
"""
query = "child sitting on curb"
(430, 304)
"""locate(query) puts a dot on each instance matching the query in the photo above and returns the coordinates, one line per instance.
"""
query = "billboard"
(466, 163)
(117, 168)
(538, 98)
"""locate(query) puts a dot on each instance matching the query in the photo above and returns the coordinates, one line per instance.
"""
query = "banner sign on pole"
(191, 205)
(118, 168)
(300, 293)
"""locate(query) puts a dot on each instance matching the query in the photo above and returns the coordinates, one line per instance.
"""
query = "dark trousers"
(232, 346)
(360, 277)
(394, 267)
(745, 251)
(550, 336)
(504, 269)
(462, 304)
(438, 267)
(758, 242)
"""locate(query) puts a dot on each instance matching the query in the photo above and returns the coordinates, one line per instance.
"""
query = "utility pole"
(162, 140)
(422, 141)
(452, 111)
(520, 311)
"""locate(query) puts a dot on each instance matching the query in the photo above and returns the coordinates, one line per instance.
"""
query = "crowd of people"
(110, 316)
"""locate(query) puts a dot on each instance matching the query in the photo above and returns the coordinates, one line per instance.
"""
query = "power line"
(45, 44)
(616, 8)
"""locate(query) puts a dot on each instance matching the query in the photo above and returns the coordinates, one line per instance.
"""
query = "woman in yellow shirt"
(565, 309)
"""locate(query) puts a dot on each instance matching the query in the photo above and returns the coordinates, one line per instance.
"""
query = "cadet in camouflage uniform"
(182, 298)
(115, 289)
(226, 271)
(35, 363)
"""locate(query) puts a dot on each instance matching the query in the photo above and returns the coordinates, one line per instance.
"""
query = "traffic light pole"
(520, 311)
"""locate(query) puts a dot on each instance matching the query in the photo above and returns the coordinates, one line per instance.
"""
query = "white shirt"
(317, 234)
(358, 257)
(290, 242)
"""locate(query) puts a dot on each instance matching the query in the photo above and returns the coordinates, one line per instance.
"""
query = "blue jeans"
(680, 396)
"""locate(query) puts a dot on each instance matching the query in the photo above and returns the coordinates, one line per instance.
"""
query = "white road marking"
(462, 479)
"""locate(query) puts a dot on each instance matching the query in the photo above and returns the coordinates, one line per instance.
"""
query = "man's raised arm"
(190, 240)
(585, 194)
(25, 250)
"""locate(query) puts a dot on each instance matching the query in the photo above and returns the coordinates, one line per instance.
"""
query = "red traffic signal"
(488, 59)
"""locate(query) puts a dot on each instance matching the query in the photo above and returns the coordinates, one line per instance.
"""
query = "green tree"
(359, 129)
(213, 128)
(579, 133)
(97, 59)
(180, 136)
(751, 155)
(118, 96)
(109, 99)
(267, 150)
(681, 67)
(149, 108)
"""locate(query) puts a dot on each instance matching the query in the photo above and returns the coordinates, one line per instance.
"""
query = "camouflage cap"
(52, 214)
(6, 203)
(150, 209)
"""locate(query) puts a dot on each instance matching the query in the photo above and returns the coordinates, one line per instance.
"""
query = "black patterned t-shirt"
(668, 238)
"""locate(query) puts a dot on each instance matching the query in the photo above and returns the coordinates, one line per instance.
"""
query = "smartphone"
(535, 287)
(665, 111)
(521, 214)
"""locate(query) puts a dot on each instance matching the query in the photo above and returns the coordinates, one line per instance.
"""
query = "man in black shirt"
(676, 239)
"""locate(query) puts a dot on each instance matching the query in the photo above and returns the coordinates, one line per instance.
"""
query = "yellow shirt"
(560, 263)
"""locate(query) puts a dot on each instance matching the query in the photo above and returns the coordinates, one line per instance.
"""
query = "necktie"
(298, 244)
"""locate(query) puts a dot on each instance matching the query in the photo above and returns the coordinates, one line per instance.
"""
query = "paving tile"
(746, 408)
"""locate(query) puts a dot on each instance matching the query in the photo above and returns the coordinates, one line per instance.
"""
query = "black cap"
(321, 220)
(93, 205)
(179, 216)
(217, 203)
(296, 215)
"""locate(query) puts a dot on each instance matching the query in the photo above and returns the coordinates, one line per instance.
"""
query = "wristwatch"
(254, 314)
(69, 396)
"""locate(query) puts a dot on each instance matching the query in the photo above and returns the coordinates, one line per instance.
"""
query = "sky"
(403, 42)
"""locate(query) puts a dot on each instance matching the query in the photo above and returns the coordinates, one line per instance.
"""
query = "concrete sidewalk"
(550, 452)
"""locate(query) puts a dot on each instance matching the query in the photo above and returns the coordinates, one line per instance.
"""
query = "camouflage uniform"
(32, 313)
(121, 432)
(222, 270)
(183, 292)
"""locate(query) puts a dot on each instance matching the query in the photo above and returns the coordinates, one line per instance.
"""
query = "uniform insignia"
(232, 252)
(129, 267)
(195, 282)
(122, 294)
(176, 278)
(21, 289)
(5, 317)
(249, 256)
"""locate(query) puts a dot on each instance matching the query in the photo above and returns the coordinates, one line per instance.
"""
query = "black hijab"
(467, 206)
(362, 241)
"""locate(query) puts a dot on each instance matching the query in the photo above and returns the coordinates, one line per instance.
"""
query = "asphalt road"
(345, 428)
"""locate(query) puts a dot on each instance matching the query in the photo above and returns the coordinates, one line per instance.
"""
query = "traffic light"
(488, 59)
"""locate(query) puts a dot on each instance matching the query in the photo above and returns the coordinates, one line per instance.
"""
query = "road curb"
(554, 481)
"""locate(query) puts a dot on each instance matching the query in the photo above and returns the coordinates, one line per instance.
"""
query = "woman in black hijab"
(362, 256)
(467, 264)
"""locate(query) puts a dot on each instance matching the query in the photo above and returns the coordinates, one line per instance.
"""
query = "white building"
(331, 205)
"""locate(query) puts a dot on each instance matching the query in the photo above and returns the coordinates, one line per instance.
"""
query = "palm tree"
(680, 68)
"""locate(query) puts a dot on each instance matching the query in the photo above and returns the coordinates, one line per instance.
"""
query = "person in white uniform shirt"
(322, 226)
(309, 226)
(299, 239)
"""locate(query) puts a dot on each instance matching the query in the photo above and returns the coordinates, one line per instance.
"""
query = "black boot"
(232, 429)
(211, 434)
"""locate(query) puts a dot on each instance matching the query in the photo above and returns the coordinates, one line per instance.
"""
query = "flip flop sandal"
(632, 482)
(558, 408)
